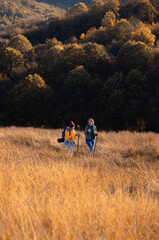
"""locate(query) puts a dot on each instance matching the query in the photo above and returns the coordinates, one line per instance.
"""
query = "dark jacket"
(90, 135)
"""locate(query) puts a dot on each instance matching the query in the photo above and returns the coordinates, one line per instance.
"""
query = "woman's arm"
(86, 130)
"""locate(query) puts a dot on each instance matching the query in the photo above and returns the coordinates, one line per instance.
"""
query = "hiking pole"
(78, 143)
(95, 145)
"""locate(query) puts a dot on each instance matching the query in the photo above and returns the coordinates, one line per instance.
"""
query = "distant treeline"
(64, 3)
(17, 16)
(100, 61)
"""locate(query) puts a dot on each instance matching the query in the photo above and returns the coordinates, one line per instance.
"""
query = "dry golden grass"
(46, 194)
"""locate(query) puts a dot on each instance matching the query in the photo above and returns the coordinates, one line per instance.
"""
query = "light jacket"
(90, 135)
(73, 135)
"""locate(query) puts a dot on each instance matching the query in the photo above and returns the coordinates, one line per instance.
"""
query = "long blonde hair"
(91, 120)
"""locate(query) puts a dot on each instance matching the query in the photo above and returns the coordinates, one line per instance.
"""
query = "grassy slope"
(45, 194)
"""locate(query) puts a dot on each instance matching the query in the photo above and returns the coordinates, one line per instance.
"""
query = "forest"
(16, 16)
(100, 61)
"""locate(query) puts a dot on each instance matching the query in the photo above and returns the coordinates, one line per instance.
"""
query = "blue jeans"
(69, 145)
(91, 145)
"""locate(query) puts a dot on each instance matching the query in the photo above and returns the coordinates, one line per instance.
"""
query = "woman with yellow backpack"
(70, 135)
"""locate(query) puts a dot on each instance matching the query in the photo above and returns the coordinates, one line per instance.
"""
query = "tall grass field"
(47, 194)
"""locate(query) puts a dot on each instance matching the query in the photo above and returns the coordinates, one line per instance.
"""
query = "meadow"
(47, 194)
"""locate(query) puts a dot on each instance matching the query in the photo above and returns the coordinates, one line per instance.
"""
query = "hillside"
(64, 3)
(99, 61)
(20, 13)
(46, 194)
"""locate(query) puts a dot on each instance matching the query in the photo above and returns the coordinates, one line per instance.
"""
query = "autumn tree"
(109, 20)
(76, 87)
(112, 5)
(10, 59)
(123, 30)
(41, 50)
(144, 35)
(96, 13)
(100, 35)
(155, 31)
(74, 55)
(146, 11)
(98, 61)
(134, 55)
(80, 94)
(59, 61)
(52, 43)
(77, 9)
(30, 102)
(50, 65)
(97, 7)
(20, 43)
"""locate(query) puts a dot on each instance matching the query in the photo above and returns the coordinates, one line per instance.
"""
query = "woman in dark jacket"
(90, 133)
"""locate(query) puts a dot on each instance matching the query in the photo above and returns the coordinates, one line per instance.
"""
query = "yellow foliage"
(59, 48)
(77, 9)
(35, 80)
(97, 7)
(123, 29)
(97, 35)
(20, 43)
(144, 35)
(147, 11)
(11, 58)
(109, 20)
(82, 36)
(112, 5)
(52, 43)
(46, 194)
(74, 54)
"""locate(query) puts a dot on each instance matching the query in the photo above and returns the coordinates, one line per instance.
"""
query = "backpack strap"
(88, 127)
(70, 133)
(63, 132)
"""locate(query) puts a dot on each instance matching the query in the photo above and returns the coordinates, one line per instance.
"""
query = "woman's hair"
(71, 124)
(90, 120)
